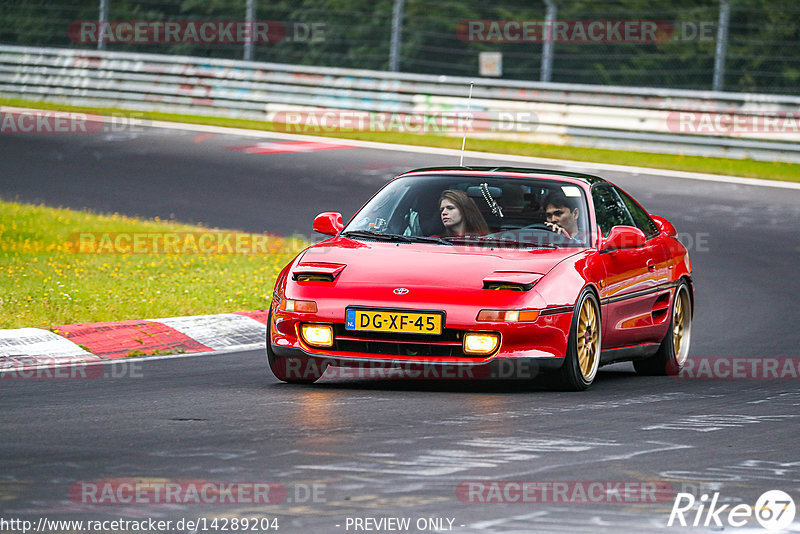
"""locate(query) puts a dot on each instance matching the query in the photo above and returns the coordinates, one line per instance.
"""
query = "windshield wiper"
(493, 241)
(372, 235)
(394, 237)
(427, 239)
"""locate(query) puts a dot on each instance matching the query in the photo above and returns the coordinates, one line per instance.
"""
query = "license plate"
(402, 321)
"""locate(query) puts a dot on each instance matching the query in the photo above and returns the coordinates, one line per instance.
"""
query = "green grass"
(47, 279)
(733, 167)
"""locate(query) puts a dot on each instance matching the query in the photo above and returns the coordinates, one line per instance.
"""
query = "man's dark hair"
(560, 200)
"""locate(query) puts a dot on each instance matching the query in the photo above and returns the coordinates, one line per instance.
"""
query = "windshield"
(476, 210)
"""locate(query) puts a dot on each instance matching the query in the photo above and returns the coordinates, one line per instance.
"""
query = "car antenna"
(464, 139)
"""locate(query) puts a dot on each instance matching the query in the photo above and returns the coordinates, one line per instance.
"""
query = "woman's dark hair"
(474, 222)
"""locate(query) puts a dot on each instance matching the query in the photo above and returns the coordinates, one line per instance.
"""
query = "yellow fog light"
(508, 316)
(317, 335)
(480, 343)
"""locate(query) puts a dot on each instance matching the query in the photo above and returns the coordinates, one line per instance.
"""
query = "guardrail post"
(547, 47)
(722, 45)
(102, 19)
(249, 17)
(397, 38)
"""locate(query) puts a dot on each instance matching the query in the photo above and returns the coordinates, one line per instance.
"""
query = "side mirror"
(623, 237)
(664, 226)
(328, 223)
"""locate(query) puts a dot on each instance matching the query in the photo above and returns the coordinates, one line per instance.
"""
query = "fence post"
(547, 47)
(102, 19)
(397, 38)
(722, 45)
(249, 16)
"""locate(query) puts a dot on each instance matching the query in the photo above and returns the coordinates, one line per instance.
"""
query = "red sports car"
(472, 271)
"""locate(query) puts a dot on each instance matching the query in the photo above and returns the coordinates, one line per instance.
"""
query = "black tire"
(674, 348)
(293, 370)
(583, 345)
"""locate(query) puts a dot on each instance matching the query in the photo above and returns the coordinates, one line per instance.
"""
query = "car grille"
(447, 344)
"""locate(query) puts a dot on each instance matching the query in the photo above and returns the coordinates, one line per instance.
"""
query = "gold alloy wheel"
(681, 325)
(588, 339)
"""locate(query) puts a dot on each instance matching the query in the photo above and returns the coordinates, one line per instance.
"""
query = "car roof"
(586, 178)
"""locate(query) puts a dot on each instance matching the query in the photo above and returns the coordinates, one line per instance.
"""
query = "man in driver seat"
(562, 214)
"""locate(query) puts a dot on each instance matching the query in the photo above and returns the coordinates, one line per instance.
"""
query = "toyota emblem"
(400, 291)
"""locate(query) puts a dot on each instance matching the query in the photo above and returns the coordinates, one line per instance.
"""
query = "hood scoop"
(317, 272)
(511, 280)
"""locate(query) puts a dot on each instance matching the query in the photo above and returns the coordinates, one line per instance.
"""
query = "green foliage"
(762, 53)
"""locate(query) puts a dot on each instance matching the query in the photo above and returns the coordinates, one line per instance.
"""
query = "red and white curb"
(284, 147)
(85, 343)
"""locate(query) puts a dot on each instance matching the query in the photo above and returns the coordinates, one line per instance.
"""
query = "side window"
(609, 209)
(640, 217)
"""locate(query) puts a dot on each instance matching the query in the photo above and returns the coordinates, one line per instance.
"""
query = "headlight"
(317, 335)
(480, 343)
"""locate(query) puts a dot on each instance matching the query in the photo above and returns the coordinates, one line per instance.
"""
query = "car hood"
(379, 264)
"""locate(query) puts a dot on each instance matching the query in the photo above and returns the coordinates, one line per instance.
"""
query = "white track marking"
(220, 331)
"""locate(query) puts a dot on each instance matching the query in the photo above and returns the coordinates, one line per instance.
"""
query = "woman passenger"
(460, 215)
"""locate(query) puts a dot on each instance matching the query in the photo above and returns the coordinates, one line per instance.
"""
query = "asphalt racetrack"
(362, 455)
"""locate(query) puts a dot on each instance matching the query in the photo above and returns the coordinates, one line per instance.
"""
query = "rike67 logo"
(774, 510)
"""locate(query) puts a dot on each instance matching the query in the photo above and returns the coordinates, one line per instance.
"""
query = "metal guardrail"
(760, 126)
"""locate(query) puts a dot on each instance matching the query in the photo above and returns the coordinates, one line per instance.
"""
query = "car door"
(659, 263)
(630, 293)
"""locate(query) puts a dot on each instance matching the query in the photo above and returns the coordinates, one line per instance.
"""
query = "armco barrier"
(757, 126)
